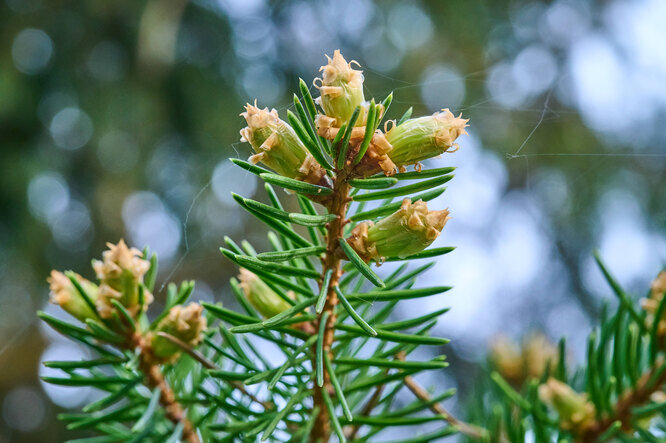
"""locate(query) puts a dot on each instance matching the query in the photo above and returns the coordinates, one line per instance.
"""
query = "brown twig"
(469, 430)
(155, 379)
(337, 205)
(189, 350)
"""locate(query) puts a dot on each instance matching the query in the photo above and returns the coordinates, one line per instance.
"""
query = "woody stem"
(155, 379)
(337, 205)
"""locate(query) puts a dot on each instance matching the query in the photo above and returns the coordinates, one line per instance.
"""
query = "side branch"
(469, 430)
(155, 379)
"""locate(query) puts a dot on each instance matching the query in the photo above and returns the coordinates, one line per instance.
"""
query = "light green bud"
(277, 145)
(120, 272)
(65, 294)
(575, 410)
(260, 295)
(341, 88)
(422, 138)
(186, 323)
(407, 231)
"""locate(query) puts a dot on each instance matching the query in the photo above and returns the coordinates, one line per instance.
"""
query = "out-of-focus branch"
(158, 34)
(367, 409)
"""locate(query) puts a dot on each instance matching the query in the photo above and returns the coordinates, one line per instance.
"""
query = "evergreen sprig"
(316, 301)
(183, 376)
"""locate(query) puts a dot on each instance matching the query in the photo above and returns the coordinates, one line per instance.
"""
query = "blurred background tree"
(117, 118)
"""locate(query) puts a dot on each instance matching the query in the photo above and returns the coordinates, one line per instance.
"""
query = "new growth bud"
(120, 272)
(186, 323)
(658, 286)
(651, 304)
(277, 145)
(341, 89)
(575, 411)
(260, 295)
(409, 230)
(421, 138)
(65, 294)
(516, 363)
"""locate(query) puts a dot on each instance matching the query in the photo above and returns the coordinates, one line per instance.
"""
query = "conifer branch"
(320, 333)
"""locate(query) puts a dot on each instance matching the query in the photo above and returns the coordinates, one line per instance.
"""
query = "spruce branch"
(331, 153)
(332, 158)
(114, 314)
(621, 394)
